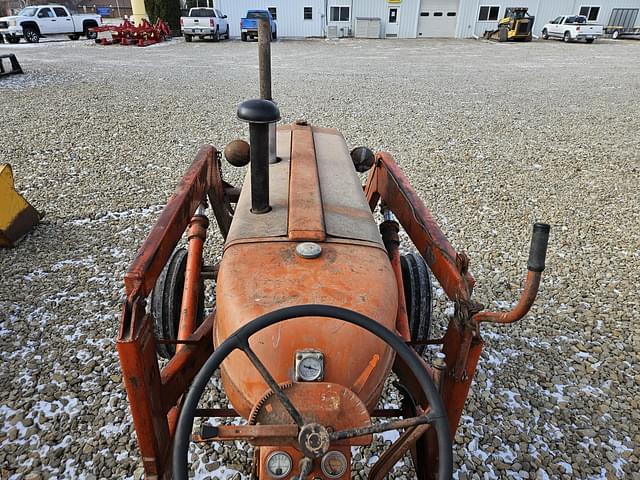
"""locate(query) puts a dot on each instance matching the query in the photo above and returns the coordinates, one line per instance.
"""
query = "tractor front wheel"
(166, 302)
(418, 298)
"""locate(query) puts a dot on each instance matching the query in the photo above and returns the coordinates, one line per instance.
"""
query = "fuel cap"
(308, 250)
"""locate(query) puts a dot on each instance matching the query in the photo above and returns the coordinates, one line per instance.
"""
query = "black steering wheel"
(436, 416)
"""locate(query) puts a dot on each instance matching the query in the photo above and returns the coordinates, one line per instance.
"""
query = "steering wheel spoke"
(427, 418)
(273, 385)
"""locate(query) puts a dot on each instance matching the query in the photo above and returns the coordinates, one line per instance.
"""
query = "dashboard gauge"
(279, 464)
(309, 366)
(334, 464)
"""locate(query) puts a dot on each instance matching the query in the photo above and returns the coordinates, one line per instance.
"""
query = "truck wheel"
(90, 35)
(567, 37)
(216, 35)
(31, 35)
(227, 34)
(243, 37)
(615, 34)
(74, 36)
(545, 34)
(188, 38)
(12, 39)
(274, 36)
(589, 40)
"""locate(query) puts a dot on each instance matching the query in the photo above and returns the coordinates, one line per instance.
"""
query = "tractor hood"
(315, 197)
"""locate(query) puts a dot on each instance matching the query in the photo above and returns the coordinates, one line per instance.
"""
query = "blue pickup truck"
(249, 24)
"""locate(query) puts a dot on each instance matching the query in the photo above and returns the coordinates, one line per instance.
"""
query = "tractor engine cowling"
(317, 244)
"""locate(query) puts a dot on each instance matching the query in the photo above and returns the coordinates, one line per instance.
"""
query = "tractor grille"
(4, 24)
(523, 28)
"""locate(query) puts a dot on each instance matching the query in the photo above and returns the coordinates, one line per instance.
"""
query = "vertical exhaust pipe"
(264, 61)
(260, 115)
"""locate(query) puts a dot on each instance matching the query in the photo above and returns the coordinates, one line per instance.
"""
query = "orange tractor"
(315, 308)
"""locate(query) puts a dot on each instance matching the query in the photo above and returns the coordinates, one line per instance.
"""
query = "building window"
(437, 14)
(273, 12)
(340, 14)
(590, 12)
(308, 13)
(451, 14)
(424, 14)
(488, 14)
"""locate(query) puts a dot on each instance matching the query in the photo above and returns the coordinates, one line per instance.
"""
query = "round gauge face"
(310, 369)
(279, 464)
(334, 464)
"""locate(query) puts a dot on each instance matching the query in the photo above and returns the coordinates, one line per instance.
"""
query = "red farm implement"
(127, 33)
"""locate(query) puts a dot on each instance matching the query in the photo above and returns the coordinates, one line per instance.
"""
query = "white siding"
(291, 21)
(407, 14)
(543, 10)
(290, 13)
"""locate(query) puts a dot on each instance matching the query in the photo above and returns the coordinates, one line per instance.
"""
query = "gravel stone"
(494, 137)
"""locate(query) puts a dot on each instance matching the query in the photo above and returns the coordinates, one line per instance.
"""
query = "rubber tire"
(589, 40)
(418, 295)
(503, 35)
(74, 36)
(166, 301)
(31, 35)
(274, 35)
(227, 33)
(90, 35)
(545, 34)
(12, 40)
(188, 38)
(567, 37)
(615, 34)
(216, 35)
(243, 37)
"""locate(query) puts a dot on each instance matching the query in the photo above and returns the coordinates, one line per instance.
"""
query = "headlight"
(279, 464)
(13, 23)
(334, 464)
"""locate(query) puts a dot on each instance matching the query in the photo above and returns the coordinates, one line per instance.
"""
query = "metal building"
(476, 16)
(409, 18)
(295, 18)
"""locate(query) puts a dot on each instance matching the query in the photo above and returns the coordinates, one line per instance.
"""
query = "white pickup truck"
(572, 27)
(42, 20)
(204, 22)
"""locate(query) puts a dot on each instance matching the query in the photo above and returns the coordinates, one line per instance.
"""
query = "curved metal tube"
(531, 285)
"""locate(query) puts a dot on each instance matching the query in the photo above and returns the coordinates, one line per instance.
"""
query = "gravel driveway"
(494, 137)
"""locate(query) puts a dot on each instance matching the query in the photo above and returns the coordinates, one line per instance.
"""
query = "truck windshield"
(202, 12)
(28, 12)
(256, 14)
(576, 20)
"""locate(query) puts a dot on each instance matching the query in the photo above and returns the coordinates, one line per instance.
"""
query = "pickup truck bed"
(204, 22)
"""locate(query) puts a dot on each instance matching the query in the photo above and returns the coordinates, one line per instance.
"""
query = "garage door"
(438, 18)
